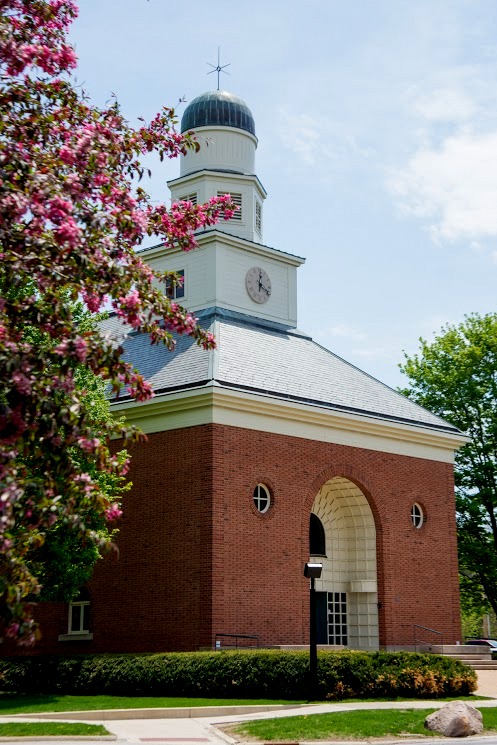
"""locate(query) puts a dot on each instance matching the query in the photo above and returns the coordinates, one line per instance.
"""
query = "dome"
(218, 108)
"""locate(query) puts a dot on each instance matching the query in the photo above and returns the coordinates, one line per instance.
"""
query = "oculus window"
(417, 515)
(262, 498)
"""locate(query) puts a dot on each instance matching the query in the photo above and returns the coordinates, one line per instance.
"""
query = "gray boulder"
(456, 719)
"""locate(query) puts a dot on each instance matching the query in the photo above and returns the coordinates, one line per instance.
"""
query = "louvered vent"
(189, 198)
(236, 199)
(258, 217)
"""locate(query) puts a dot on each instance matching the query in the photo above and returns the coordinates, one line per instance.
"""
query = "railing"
(218, 644)
(424, 641)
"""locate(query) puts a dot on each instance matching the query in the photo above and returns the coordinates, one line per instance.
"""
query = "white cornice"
(213, 404)
(222, 128)
(216, 175)
(232, 241)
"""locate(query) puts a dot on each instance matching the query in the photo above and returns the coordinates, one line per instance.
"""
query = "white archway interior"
(350, 563)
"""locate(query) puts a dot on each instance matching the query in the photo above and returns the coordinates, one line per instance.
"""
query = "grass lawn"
(12, 703)
(35, 729)
(347, 725)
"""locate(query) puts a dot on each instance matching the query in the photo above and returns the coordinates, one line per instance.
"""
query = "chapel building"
(263, 454)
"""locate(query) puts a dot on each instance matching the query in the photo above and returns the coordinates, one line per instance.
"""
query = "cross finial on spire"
(218, 68)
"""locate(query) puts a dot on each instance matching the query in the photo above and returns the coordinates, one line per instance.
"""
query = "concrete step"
(482, 656)
(480, 666)
(461, 651)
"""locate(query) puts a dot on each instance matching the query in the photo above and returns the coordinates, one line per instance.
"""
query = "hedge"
(239, 674)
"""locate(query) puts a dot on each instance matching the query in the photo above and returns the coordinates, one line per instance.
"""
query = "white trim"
(212, 404)
(208, 174)
(83, 637)
(81, 604)
(156, 252)
(225, 128)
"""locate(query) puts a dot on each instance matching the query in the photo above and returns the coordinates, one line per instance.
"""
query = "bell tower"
(232, 268)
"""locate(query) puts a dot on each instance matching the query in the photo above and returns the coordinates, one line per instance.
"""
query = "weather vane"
(218, 68)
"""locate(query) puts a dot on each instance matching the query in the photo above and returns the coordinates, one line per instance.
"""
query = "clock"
(258, 284)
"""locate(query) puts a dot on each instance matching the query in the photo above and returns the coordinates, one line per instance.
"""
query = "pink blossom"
(62, 348)
(12, 631)
(22, 383)
(81, 348)
(113, 512)
(93, 301)
(67, 155)
(68, 232)
(88, 445)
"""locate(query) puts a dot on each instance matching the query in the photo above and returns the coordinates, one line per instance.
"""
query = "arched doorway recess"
(347, 591)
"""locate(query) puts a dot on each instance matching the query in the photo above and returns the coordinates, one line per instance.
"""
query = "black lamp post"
(313, 572)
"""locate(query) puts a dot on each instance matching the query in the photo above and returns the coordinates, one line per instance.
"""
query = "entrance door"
(331, 618)
(337, 618)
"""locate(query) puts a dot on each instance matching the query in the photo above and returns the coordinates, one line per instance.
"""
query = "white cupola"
(231, 268)
(225, 163)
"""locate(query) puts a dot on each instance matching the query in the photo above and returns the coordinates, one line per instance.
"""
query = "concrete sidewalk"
(199, 725)
(204, 730)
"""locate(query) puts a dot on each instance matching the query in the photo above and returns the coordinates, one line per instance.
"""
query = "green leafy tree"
(455, 376)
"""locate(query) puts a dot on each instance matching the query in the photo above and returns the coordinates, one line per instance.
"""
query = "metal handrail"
(422, 641)
(236, 637)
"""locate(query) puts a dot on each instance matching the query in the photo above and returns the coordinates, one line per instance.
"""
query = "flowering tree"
(71, 213)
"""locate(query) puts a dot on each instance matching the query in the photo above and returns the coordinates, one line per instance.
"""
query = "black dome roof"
(218, 108)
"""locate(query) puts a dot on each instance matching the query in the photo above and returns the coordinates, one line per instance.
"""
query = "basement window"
(78, 622)
(79, 614)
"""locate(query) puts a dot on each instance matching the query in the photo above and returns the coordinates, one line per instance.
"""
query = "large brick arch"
(352, 472)
(350, 572)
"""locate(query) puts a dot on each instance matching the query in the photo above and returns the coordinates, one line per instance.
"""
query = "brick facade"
(195, 557)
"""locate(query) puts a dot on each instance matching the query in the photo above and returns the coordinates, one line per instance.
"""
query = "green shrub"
(239, 674)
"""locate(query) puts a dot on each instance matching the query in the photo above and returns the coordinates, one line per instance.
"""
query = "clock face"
(258, 284)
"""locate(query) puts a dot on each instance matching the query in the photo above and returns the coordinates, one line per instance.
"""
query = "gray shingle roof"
(263, 357)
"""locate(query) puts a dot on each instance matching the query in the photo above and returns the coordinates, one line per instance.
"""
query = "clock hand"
(261, 287)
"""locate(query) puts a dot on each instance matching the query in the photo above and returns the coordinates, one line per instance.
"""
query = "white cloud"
(341, 330)
(316, 140)
(446, 105)
(452, 187)
(302, 135)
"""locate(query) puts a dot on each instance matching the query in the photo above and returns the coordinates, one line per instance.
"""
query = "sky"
(377, 128)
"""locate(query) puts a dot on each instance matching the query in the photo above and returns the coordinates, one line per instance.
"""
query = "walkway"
(201, 729)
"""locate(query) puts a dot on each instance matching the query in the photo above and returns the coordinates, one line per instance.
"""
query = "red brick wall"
(195, 557)
(258, 572)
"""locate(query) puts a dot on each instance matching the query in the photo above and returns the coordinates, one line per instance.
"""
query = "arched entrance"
(347, 591)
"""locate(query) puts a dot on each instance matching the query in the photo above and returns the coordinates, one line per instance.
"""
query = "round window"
(262, 498)
(417, 515)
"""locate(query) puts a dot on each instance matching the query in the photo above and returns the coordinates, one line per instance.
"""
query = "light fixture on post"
(313, 572)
